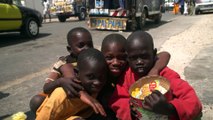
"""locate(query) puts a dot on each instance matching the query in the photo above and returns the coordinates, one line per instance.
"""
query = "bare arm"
(161, 62)
(51, 82)
(67, 82)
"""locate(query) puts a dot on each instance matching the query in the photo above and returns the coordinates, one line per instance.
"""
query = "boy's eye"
(108, 57)
(91, 76)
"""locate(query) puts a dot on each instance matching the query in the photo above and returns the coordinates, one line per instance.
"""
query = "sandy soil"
(186, 45)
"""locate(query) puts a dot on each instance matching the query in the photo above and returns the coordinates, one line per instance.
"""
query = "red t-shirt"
(182, 96)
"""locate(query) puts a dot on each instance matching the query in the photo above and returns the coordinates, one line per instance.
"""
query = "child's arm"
(50, 82)
(161, 62)
(68, 81)
(97, 107)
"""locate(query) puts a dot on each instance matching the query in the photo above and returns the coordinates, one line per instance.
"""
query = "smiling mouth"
(140, 69)
(115, 69)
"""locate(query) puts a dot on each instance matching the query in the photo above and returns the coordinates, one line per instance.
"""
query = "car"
(169, 4)
(203, 6)
(19, 18)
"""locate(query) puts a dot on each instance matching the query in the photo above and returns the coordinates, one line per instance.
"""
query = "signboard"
(108, 23)
(99, 12)
(60, 7)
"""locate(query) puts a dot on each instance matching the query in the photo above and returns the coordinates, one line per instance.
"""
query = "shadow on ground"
(3, 95)
(5, 117)
(7, 39)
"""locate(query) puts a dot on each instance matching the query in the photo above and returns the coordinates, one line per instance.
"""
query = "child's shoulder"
(64, 60)
(61, 61)
(67, 59)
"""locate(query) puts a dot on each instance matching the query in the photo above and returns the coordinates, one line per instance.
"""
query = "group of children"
(90, 80)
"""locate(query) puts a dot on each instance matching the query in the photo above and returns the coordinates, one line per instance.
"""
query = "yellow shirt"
(58, 107)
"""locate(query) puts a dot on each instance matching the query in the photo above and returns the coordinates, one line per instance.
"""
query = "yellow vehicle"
(19, 18)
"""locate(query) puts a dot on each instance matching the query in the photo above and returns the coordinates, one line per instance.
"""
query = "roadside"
(191, 56)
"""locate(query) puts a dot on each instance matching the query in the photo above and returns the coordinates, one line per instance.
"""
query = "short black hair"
(113, 38)
(91, 54)
(142, 36)
(73, 32)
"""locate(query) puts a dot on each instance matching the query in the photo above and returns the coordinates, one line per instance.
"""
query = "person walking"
(191, 6)
(176, 7)
(46, 10)
(185, 7)
(182, 5)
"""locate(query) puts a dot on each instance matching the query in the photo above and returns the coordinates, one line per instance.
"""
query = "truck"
(104, 14)
(64, 9)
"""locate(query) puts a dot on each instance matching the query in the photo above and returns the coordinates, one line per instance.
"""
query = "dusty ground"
(185, 47)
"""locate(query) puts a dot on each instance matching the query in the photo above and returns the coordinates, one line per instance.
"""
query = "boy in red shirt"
(180, 103)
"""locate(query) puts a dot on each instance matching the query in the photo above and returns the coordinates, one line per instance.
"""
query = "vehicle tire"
(142, 20)
(158, 18)
(197, 12)
(62, 18)
(30, 28)
(82, 15)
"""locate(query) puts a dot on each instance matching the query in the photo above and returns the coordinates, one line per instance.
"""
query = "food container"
(143, 87)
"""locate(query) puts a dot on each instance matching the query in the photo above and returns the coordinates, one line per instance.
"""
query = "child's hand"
(157, 103)
(97, 107)
(70, 86)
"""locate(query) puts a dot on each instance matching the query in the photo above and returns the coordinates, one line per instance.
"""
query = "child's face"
(80, 41)
(140, 57)
(93, 76)
(115, 56)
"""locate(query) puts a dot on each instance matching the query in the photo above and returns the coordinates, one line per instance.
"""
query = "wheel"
(158, 18)
(142, 20)
(30, 28)
(62, 18)
(82, 15)
(197, 12)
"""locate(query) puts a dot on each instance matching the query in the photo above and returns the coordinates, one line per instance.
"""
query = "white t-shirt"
(46, 7)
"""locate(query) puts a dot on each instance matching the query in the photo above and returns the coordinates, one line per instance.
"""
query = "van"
(203, 6)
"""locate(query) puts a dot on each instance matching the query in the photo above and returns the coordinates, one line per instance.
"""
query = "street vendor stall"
(114, 15)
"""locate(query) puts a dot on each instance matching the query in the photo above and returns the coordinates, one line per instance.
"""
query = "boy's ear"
(69, 49)
(155, 52)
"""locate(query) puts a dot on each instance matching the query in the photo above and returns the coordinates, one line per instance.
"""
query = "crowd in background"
(185, 7)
